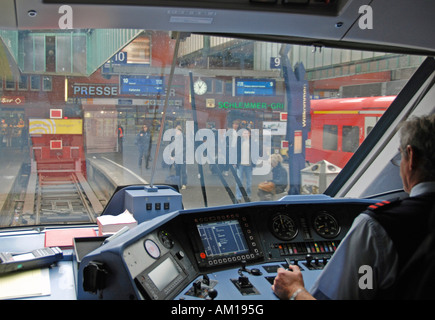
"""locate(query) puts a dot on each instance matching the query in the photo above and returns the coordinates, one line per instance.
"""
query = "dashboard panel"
(233, 250)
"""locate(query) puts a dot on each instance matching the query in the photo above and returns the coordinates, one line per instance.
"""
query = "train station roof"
(99, 45)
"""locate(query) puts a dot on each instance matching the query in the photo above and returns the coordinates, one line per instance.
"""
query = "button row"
(220, 261)
(286, 249)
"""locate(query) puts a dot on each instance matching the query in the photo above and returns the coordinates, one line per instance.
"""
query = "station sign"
(275, 62)
(276, 128)
(94, 90)
(55, 113)
(12, 100)
(246, 105)
(55, 126)
(255, 87)
(118, 59)
(141, 85)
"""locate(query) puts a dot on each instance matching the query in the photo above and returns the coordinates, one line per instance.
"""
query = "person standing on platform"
(3, 133)
(120, 137)
(180, 168)
(244, 163)
(24, 137)
(231, 142)
(143, 142)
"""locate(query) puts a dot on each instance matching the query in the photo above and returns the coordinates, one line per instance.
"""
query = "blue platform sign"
(117, 60)
(255, 87)
(275, 63)
(142, 85)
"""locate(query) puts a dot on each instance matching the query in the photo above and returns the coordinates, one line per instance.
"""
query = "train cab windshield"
(222, 119)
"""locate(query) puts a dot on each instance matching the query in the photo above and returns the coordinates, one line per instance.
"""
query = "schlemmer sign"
(183, 147)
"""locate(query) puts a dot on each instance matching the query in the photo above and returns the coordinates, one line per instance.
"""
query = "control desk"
(230, 252)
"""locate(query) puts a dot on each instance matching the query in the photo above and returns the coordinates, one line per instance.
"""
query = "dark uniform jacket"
(408, 223)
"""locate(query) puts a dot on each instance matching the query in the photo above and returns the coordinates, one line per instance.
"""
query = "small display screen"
(164, 274)
(222, 238)
(24, 257)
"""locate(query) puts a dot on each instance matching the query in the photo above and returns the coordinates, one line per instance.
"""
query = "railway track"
(57, 199)
(62, 199)
(54, 197)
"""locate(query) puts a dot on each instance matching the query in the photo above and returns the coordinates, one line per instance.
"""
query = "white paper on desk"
(124, 218)
(109, 224)
(22, 284)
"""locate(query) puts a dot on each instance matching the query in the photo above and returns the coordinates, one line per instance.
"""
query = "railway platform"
(12, 160)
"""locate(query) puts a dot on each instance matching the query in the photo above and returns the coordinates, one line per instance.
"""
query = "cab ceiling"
(402, 25)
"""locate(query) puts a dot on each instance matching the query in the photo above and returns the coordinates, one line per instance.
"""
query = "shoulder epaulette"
(379, 204)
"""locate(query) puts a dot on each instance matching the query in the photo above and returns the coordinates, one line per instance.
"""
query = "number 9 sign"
(275, 62)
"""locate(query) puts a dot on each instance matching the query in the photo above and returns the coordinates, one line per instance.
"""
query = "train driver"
(376, 241)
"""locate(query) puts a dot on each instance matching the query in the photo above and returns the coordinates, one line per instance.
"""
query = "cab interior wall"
(397, 24)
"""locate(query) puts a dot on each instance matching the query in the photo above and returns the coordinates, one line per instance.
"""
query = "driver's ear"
(411, 157)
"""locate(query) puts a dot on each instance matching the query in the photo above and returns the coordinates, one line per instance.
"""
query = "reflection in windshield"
(222, 120)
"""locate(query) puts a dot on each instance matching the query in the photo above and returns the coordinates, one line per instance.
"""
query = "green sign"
(250, 105)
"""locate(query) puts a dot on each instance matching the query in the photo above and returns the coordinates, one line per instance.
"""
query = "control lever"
(244, 282)
(243, 268)
(206, 280)
(197, 287)
(289, 262)
(201, 288)
(212, 294)
(309, 258)
(253, 271)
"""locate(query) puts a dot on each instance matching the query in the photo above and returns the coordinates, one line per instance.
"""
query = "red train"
(57, 146)
(338, 126)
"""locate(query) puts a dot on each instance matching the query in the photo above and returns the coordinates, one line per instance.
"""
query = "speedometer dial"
(326, 225)
(152, 248)
(283, 227)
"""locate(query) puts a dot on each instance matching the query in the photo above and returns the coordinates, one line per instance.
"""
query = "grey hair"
(275, 158)
(419, 132)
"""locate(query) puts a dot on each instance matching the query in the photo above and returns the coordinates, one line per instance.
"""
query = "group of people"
(244, 166)
(13, 134)
(143, 142)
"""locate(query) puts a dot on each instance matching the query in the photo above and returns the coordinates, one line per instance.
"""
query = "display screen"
(141, 85)
(255, 87)
(222, 238)
(164, 274)
(24, 257)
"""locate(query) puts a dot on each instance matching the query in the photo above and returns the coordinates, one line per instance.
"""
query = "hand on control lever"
(290, 284)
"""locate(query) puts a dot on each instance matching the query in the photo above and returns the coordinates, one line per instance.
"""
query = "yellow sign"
(210, 103)
(55, 126)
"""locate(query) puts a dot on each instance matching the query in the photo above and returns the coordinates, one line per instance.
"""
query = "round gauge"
(284, 227)
(326, 225)
(152, 248)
